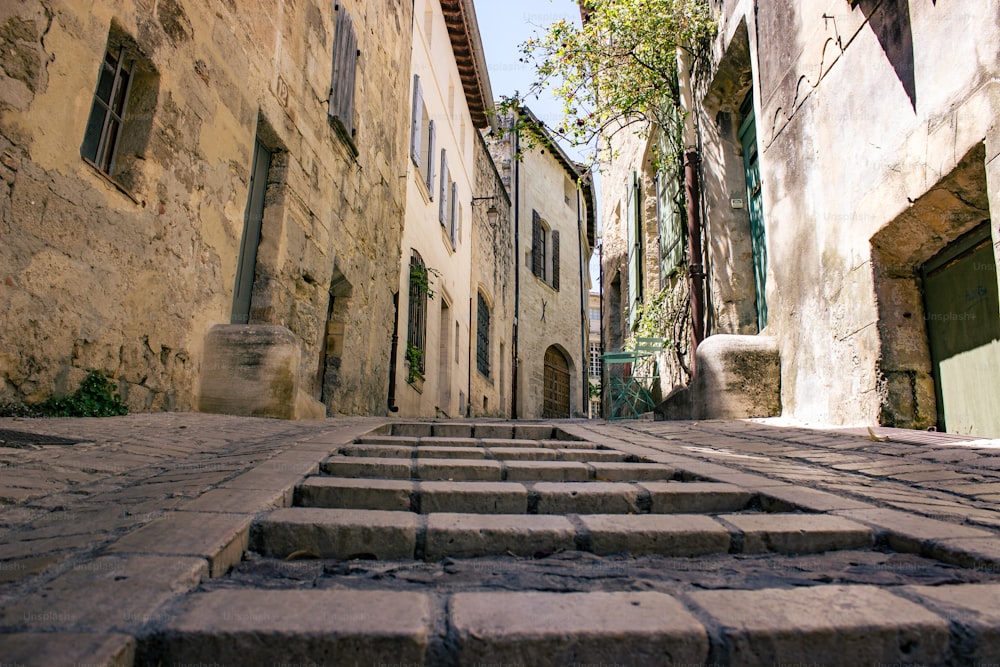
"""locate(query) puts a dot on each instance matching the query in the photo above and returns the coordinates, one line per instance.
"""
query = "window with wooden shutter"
(415, 120)
(555, 258)
(345, 65)
(670, 222)
(431, 139)
(443, 203)
(633, 223)
(537, 246)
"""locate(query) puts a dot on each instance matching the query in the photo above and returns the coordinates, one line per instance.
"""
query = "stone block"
(695, 497)
(790, 499)
(41, 649)
(339, 493)
(661, 534)
(447, 442)
(586, 498)
(605, 455)
(799, 533)
(528, 432)
(825, 625)
(349, 466)
(307, 627)
(739, 377)
(236, 501)
(250, 370)
(973, 607)
(451, 453)
(377, 451)
(381, 439)
(458, 470)
(523, 454)
(473, 497)
(598, 628)
(550, 471)
(631, 472)
(470, 535)
(446, 430)
(413, 430)
(909, 532)
(337, 533)
(507, 442)
(219, 538)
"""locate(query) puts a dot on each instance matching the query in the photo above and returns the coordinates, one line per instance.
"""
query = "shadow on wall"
(890, 21)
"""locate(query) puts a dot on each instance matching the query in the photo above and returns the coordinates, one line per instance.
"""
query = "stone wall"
(127, 275)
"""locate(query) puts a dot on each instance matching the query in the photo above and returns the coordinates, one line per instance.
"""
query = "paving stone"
(499, 431)
(246, 501)
(784, 499)
(523, 454)
(297, 627)
(507, 442)
(109, 593)
(413, 430)
(825, 625)
(451, 452)
(447, 430)
(551, 471)
(973, 607)
(570, 444)
(631, 472)
(608, 455)
(532, 431)
(348, 493)
(799, 533)
(18, 570)
(388, 440)
(473, 497)
(587, 497)
(336, 533)
(909, 532)
(458, 470)
(349, 466)
(377, 451)
(980, 554)
(45, 649)
(633, 628)
(447, 442)
(469, 535)
(220, 538)
(662, 534)
(695, 497)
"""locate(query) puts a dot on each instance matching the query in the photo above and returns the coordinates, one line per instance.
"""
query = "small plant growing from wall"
(414, 359)
(97, 397)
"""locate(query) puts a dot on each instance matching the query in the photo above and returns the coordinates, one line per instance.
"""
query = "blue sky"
(504, 25)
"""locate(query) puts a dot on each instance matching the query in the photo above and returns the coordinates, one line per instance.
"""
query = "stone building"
(849, 184)
(555, 230)
(451, 102)
(171, 165)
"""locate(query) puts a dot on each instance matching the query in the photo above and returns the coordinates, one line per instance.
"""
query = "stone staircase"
(443, 544)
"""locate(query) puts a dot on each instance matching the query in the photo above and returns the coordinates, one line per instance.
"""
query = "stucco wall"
(128, 284)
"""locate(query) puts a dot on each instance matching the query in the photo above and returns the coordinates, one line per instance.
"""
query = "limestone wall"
(126, 277)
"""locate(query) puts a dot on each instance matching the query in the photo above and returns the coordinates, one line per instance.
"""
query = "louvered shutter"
(443, 204)
(431, 140)
(555, 259)
(415, 120)
(537, 253)
(345, 65)
(453, 225)
(634, 248)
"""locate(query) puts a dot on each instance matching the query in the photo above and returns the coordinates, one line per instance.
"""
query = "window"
(416, 329)
(595, 359)
(453, 216)
(483, 336)
(544, 251)
(121, 115)
(345, 64)
(422, 138)
(446, 211)
(636, 262)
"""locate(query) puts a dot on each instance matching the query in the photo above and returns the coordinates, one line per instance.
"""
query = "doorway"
(555, 385)
(755, 206)
(252, 221)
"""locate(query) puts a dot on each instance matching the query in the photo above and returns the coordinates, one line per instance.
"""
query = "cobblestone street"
(180, 538)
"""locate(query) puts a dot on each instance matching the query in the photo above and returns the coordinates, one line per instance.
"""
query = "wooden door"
(755, 205)
(556, 385)
(251, 234)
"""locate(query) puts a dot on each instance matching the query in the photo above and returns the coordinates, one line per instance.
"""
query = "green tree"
(619, 70)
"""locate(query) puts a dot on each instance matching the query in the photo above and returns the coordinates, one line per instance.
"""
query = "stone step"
(522, 497)
(446, 469)
(437, 441)
(481, 452)
(482, 430)
(399, 535)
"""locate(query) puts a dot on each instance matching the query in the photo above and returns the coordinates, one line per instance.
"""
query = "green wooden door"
(963, 328)
(748, 139)
(253, 218)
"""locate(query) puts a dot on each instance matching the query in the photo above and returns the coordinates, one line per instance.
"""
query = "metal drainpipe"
(600, 291)
(584, 325)
(468, 394)
(517, 270)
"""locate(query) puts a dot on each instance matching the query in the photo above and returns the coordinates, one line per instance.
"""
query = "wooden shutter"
(345, 65)
(453, 215)
(634, 249)
(416, 119)
(537, 256)
(445, 176)
(431, 137)
(555, 259)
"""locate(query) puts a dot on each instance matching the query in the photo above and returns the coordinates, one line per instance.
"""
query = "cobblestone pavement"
(117, 536)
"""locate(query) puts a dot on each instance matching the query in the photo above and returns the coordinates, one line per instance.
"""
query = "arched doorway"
(555, 385)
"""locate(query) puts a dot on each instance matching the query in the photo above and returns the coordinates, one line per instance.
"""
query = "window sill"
(341, 131)
(449, 245)
(112, 182)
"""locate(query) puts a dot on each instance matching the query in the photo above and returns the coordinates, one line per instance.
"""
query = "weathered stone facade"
(125, 272)
(876, 133)
(554, 219)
